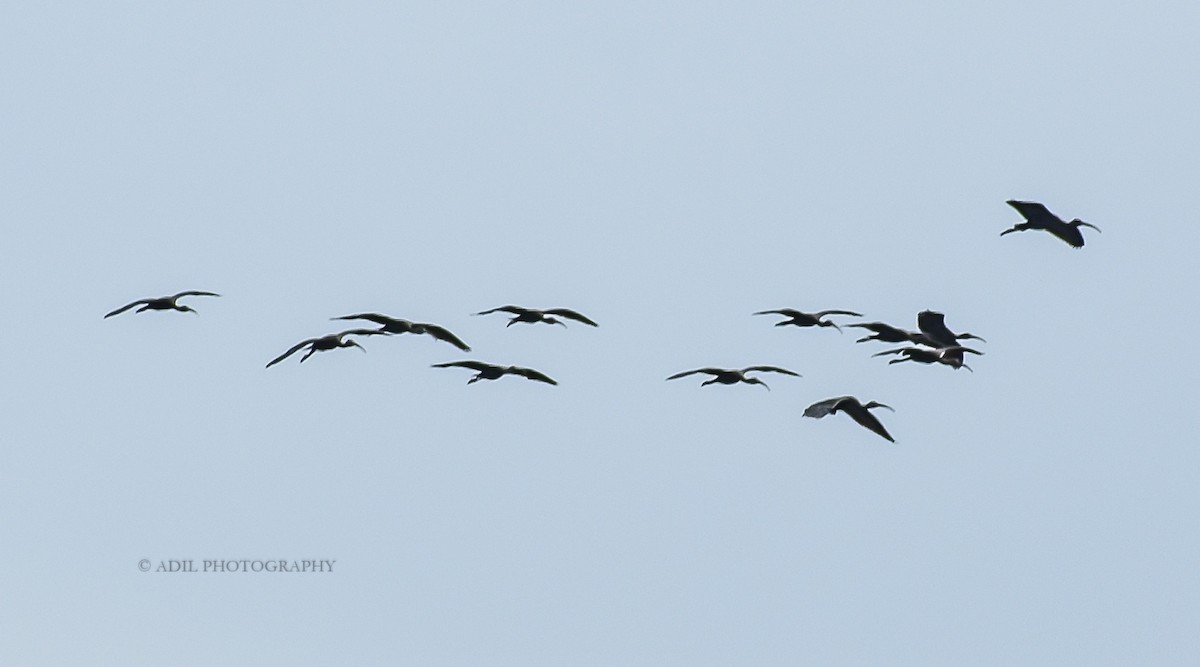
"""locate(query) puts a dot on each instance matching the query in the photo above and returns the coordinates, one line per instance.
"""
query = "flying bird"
(492, 372)
(857, 411)
(802, 319)
(733, 376)
(886, 333)
(397, 326)
(1037, 216)
(933, 325)
(950, 356)
(328, 342)
(162, 303)
(532, 315)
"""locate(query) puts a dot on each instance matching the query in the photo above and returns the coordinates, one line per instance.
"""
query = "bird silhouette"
(853, 407)
(733, 376)
(1037, 216)
(493, 372)
(802, 319)
(162, 303)
(933, 325)
(886, 333)
(397, 326)
(533, 315)
(950, 356)
(327, 342)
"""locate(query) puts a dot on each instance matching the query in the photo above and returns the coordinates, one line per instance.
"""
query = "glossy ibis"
(328, 342)
(532, 315)
(1037, 216)
(802, 319)
(397, 326)
(493, 372)
(857, 411)
(933, 325)
(951, 356)
(162, 303)
(733, 376)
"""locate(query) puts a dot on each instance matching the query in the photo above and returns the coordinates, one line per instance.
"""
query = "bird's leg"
(475, 379)
(311, 350)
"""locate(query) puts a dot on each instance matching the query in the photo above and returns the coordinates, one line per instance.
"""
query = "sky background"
(666, 168)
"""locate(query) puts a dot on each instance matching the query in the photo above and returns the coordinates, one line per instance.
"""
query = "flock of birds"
(932, 343)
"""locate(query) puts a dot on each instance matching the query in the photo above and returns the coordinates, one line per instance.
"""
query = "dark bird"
(951, 356)
(933, 325)
(857, 411)
(328, 342)
(397, 326)
(492, 372)
(1037, 216)
(886, 333)
(162, 303)
(532, 315)
(733, 376)
(801, 319)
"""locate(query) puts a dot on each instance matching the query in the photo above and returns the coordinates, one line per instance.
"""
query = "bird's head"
(757, 381)
(187, 309)
(554, 320)
(829, 323)
(877, 404)
(353, 343)
(970, 336)
(1079, 223)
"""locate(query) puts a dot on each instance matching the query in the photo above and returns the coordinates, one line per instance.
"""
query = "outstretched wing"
(515, 310)
(194, 293)
(899, 350)
(869, 422)
(295, 348)
(786, 312)
(933, 324)
(570, 314)
(710, 371)
(531, 374)
(877, 327)
(825, 407)
(770, 369)
(1033, 212)
(442, 333)
(370, 317)
(122, 309)
(363, 332)
(473, 365)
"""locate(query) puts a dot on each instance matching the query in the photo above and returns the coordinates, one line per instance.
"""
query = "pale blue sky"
(667, 169)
